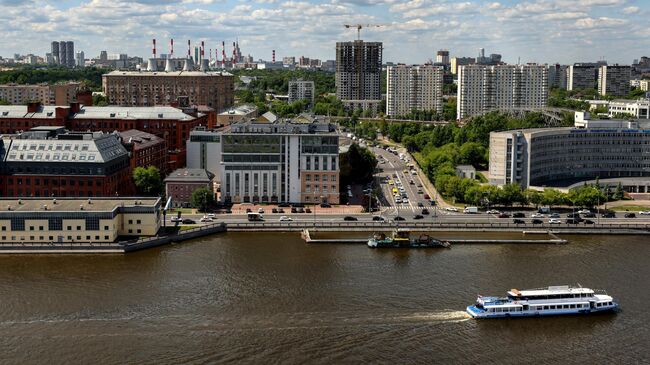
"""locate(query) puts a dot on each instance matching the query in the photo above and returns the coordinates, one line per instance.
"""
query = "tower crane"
(359, 26)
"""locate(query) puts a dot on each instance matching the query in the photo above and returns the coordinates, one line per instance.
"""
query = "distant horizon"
(540, 31)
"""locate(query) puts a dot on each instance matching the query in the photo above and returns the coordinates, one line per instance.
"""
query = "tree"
(510, 194)
(147, 180)
(202, 198)
(619, 194)
(357, 165)
(534, 197)
(99, 100)
(553, 197)
(586, 196)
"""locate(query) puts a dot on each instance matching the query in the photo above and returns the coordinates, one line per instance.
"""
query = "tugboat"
(553, 300)
(401, 239)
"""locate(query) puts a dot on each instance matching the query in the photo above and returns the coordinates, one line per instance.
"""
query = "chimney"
(171, 54)
(33, 106)
(202, 51)
(154, 48)
(273, 56)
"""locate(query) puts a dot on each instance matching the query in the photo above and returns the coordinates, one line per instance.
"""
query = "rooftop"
(128, 112)
(240, 110)
(167, 74)
(72, 204)
(190, 175)
(139, 138)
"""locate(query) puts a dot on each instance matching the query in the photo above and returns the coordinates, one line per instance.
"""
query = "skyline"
(542, 31)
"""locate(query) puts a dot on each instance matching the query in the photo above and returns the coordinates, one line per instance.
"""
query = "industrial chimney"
(168, 65)
(152, 66)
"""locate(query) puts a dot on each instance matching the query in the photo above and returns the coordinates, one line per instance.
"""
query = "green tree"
(619, 193)
(553, 197)
(511, 194)
(356, 166)
(99, 100)
(534, 197)
(201, 199)
(147, 180)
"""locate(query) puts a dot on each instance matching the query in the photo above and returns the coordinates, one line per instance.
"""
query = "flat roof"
(131, 112)
(139, 138)
(190, 175)
(72, 204)
(168, 74)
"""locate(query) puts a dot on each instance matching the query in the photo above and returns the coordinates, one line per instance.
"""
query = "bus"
(255, 217)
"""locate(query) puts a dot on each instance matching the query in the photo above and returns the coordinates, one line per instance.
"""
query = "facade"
(301, 90)
(460, 61)
(638, 109)
(180, 185)
(557, 76)
(358, 72)
(80, 59)
(74, 220)
(49, 161)
(466, 172)
(582, 76)
(442, 57)
(286, 161)
(145, 149)
(485, 88)
(564, 156)
(59, 94)
(644, 85)
(131, 88)
(63, 53)
(614, 80)
(411, 88)
(237, 114)
(169, 123)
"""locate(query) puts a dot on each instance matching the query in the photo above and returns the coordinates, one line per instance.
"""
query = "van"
(470, 210)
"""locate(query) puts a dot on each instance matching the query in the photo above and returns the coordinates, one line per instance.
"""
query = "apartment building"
(557, 76)
(582, 76)
(301, 90)
(414, 87)
(58, 94)
(358, 74)
(485, 88)
(614, 80)
(293, 160)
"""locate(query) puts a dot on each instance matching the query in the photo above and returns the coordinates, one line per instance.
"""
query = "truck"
(470, 210)
(255, 217)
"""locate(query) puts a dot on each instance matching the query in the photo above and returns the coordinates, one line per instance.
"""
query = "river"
(270, 298)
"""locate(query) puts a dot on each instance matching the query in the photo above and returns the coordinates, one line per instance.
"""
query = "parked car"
(518, 215)
(399, 218)
(325, 205)
(378, 218)
(420, 191)
(249, 210)
(630, 215)
(554, 221)
(518, 221)
(420, 205)
(284, 218)
(294, 210)
(426, 196)
(503, 215)
(280, 210)
(537, 221)
(274, 210)
(350, 218)
(425, 211)
(189, 221)
(260, 210)
(307, 210)
(300, 210)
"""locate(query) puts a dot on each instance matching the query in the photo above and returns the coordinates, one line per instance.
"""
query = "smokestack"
(273, 56)
(171, 55)
(168, 63)
(234, 54)
(188, 49)
(223, 54)
(202, 50)
(154, 48)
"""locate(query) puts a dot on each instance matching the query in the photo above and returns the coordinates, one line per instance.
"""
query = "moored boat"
(553, 300)
(401, 239)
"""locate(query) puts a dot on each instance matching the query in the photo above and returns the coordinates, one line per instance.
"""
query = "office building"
(301, 90)
(583, 76)
(55, 53)
(442, 57)
(410, 88)
(80, 59)
(237, 114)
(49, 161)
(285, 161)
(63, 53)
(637, 109)
(358, 74)
(58, 94)
(129, 88)
(614, 80)
(289, 61)
(460, 61)
(482, 89)
(557, 76)
(614, 150)
(75, 220)
(180, 185)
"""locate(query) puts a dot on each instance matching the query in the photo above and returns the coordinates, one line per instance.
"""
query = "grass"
(185, 228)
(182, 210)
(626, 208)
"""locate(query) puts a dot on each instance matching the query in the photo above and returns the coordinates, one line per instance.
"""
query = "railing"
(382, 225)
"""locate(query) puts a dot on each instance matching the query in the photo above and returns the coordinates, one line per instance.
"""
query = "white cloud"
(631, 10)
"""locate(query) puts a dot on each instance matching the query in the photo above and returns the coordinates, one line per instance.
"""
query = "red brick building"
(145, 149)
(171, 124)
(180, 185)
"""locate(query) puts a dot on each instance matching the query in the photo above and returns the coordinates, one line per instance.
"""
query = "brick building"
(180, 185)
(145, 149)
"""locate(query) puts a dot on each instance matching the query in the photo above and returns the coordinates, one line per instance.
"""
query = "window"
(106, 237)
(139, 230)
(105, 228)
(130, 221)
(138, 221)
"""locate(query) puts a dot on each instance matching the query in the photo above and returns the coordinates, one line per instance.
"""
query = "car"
(418, 216)
(518, 221)
(493, 211)
(398, 218)
(537, 215)
(554, 221)
(518, 215)
(294, 210)
(284, 218)
(432, 203)
(425, 211)
(572, 215)
(350, 218)
(394, 176)
(630, 215)
(584, 211)
(589, 215)
(280, 210)
(398, 200)
(300, 210)
(608, 215)
(420, 191)
(211, 215)
(588, 221)
(274, 210)
(426, 196)
(419, 185)
(189, 221)
(378, 218)
(554, 215)
(503, 215)
(572, 221)
(325, 205)
(420, 204)
(645, 212)
(412, 182)
(176, 219)
(249, 210)
(307, 210)
(205, 219)
(537, 221)
(451, 209)
(405, 200)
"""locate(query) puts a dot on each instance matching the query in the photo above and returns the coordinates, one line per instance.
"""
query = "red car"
(426, 196)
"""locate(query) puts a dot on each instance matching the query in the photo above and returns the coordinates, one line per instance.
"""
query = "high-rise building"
(583, 75)
(358, 74)
(485, 88)
(301, 90)
(103, 56)
(81, 59)
(557, 76)
(289, 61)
(413, 88)
(55, 53)
(63, 53)
(460, 61)
(614, 80)
(442, 57)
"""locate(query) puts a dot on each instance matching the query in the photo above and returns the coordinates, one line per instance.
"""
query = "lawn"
(629, 208)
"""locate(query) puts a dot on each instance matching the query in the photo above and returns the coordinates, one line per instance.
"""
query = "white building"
(285, 161)
(639, 109)
(485, 88)
(614, 80)
(301, 90)
(81, 59)
(413, 88)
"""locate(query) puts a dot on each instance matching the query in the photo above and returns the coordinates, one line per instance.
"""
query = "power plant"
(168, 63)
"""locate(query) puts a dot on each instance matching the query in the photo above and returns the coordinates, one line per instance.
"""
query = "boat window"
(546, 307)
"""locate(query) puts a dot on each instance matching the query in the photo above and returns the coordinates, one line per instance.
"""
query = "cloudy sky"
(412, 31)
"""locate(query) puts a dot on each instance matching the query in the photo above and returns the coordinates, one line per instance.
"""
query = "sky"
(542, 31)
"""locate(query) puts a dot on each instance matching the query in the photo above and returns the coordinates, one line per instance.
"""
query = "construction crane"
(359, 26)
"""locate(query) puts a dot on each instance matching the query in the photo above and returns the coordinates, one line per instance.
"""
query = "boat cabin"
(551, 293)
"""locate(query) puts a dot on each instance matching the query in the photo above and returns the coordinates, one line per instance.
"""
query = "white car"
(405, 200)
(176, 219)
(584, 211)
(645, 212)
(205, 220)
(537, 215)
(211, 215)
(451, 209)
(492, 211)
(284, 218)
(261, 211)
(398, 200)
(554, 221)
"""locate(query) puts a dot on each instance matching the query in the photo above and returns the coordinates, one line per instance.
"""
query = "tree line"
(90, 77)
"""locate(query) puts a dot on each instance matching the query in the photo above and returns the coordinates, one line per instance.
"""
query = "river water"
(270, 298)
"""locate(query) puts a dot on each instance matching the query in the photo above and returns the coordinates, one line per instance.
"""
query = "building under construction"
(358, 74)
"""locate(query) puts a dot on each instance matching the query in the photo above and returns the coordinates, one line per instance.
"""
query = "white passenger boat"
(553, 300)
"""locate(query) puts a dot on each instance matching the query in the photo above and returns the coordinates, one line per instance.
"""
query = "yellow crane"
(359, 26)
